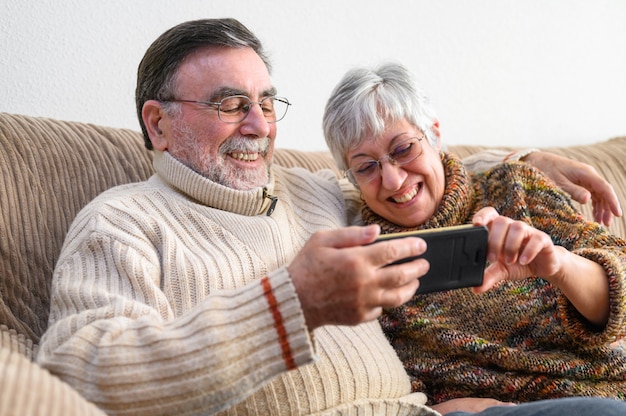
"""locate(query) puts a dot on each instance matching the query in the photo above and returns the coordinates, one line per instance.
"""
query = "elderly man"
(225, 283)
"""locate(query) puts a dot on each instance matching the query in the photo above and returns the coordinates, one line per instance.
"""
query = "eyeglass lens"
(236, 108)
(401, 154)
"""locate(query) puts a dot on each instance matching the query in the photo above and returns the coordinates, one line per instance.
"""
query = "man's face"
(236, 155)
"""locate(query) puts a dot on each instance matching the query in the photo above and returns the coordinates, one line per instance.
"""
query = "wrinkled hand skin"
(581, 181)
(340, 280)
(516, 250)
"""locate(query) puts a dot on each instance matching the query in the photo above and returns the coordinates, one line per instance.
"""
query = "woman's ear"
(435, 129)
(155, 118)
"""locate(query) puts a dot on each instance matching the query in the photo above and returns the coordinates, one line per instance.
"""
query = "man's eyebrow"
(224, 92)
(269, 92)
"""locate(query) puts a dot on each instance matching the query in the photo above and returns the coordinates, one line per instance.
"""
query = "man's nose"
(255, 122)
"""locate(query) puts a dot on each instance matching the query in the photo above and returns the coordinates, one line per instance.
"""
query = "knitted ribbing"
(165, 305)
(522, 340)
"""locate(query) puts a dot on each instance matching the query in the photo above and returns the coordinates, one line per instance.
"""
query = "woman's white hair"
(366, 100)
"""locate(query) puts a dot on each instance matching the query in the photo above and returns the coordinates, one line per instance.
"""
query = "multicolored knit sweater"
(522, 340)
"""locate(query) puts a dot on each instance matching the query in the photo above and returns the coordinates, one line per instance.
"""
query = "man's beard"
(243, 179)
(218, 170)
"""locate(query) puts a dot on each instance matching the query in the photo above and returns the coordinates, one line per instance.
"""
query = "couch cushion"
(607, 157)
(312, 161)
(27, 389)
(49, 169)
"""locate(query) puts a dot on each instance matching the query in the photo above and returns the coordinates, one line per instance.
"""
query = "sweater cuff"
(487, 159)
(284, 305)
(577, 325)
(518, 155)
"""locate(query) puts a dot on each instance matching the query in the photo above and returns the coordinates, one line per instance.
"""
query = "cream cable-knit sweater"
(171, 297)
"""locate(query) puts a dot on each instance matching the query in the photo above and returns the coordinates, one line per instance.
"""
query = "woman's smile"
(406, 196)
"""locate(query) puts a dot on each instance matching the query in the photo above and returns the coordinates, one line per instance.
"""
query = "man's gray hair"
(157, 71)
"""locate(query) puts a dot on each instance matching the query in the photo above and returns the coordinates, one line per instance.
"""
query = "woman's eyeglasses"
(401, 154)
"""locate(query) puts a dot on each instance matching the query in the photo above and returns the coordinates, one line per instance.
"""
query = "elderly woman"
(549, 317)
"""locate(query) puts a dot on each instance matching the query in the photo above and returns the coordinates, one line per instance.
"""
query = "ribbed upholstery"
(49, 169)
(608, 158)
(311, 160)
(27, 389)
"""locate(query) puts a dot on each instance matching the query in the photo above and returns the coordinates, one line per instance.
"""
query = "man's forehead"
(217, 70)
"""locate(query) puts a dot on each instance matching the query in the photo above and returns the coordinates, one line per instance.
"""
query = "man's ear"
(155, 120)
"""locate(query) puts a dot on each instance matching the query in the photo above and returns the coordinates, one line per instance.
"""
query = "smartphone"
(457, 256)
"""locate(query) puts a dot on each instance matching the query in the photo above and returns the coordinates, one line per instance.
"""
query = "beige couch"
(49, 170)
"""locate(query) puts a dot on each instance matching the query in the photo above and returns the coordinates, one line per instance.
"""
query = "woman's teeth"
(406, 197)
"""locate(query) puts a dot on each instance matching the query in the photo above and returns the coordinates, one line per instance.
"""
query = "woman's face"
(405, 193)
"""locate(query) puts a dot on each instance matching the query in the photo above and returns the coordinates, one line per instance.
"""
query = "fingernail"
(371, 230)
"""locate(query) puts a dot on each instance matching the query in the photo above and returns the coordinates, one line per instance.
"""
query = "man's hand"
(342, 281)
(581, 181)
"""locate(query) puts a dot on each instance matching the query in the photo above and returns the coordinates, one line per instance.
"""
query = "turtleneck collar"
(206, 192)
(455, 205)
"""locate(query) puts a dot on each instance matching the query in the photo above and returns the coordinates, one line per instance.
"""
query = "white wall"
(514, 72)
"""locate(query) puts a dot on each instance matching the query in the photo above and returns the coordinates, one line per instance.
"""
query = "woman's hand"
(468, 404)
(517, 250)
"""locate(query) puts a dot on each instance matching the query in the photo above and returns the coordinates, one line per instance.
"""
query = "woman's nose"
(392, 175)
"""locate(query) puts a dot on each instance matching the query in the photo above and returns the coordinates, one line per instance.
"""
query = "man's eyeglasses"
(236, 108)
(401, 154)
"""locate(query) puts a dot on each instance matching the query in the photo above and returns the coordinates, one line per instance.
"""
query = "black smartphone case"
(457, 256)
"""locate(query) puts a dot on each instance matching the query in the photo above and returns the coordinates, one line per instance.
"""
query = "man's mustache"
(242, 144)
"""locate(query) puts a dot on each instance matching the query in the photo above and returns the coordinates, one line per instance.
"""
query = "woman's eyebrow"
(361, 155)
(391, 142)
(397, 136)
